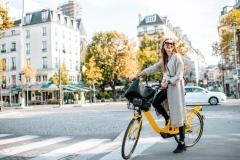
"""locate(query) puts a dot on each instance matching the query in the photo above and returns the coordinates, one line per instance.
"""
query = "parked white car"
(195, 95)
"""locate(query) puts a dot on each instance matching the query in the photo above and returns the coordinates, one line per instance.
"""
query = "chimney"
(140, 17)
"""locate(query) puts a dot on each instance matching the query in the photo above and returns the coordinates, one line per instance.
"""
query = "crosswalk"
(33, 147)
(12, 146)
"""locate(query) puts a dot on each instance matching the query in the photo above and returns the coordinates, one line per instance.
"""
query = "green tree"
(113, 54)
(64, 78)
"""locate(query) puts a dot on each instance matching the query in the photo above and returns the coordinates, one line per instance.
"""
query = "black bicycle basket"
(140, 95)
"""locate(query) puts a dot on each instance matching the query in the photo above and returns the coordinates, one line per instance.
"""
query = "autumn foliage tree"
(5, 20)
(28, 72)
(64, 76)
(149, 53)
(226, 33)
(111, 57)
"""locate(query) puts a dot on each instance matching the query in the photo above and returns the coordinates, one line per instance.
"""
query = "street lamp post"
(234, 24)
(60, 81)
(9, 81)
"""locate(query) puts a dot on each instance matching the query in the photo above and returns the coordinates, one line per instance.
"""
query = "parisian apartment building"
(44, 38)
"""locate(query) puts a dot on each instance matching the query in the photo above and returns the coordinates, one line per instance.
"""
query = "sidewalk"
(233, 102)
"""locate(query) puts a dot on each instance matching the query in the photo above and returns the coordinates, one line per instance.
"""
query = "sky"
(197, 18)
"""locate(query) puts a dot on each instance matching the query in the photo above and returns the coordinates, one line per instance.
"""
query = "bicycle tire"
(127, 137)
(200, 131)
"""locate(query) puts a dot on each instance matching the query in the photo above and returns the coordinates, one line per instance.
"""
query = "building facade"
(227, 64)
(47, 39)
(71, 9)
(153, 24)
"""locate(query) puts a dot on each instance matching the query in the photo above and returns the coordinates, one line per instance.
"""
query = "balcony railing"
(13, 49)
(150, 32)
(3, 51)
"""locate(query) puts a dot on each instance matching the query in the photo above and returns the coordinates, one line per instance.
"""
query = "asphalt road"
(95, 132)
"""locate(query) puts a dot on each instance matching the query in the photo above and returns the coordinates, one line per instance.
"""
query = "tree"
(149, 53)
(28, 72)
(64, 78)
(113, 54)
(226, 32)
(5, 21)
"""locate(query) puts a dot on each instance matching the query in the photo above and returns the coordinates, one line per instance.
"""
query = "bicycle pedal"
(166, 135)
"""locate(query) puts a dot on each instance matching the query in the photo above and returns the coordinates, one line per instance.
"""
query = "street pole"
(60, 81)
(9, 81)
(234, 24)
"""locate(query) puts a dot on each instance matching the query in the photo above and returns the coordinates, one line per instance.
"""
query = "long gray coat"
(175, 91)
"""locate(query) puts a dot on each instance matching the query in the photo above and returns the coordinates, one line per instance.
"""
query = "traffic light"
(20, 76)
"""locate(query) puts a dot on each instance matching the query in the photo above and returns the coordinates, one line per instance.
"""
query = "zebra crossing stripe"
(143, 144)
(4, 135)
(17, 139)
(15, 150)
(77, 147)
(105, 148)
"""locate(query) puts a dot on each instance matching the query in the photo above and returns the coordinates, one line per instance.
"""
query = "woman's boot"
(181, 144)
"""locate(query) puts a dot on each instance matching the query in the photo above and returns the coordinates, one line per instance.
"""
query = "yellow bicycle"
(140, 103)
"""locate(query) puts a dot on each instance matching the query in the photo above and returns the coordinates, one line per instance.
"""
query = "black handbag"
(139, 94)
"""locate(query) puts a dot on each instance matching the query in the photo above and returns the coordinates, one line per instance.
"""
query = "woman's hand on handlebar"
(164, 85)
(133, 77)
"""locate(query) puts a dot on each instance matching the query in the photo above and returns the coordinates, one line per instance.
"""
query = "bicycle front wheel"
(131, 137)
(193, 129)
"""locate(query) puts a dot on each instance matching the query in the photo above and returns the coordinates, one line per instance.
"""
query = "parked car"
(195, 95)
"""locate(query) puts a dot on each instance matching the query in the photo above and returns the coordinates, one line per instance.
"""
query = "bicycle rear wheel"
(193, 129)
(131, 137)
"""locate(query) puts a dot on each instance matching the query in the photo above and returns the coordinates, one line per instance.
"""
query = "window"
(27, 48)
(4, 81)
(4, 64)
(13, 67)
(70, 49)
(56, 62)
(56, 31)
(70, 64)
(44, 46)
(151, 19)
(145, 29)
(197, 90)
(44, 15)
(45, 78)
(28, 18)
(38, 78)
(77, 67)
(28, 61)
(14, 80)
(13, 48)
(13, 32)
(188, 90)
(44, 31)
(3, 48)
(64, 51)
(56, 46)
(27, 34)
(44, 62)
(63, 34)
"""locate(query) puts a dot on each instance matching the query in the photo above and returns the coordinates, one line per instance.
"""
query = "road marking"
(143, 144)
(63, 152)
(15, 150)
(17, 139)
(101, 149)
(4, 135)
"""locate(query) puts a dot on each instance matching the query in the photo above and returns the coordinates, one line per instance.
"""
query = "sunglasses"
(169, 43)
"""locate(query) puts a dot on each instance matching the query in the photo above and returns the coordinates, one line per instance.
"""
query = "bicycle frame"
(167, 129)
